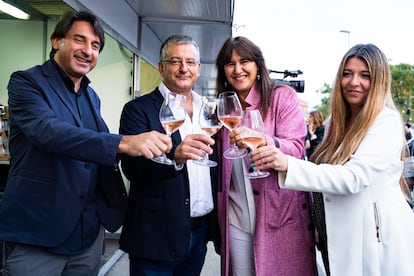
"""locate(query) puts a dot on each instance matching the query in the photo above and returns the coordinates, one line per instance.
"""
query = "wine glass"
(209, 123)
(230, 113)
(253, 139)
(172, 116)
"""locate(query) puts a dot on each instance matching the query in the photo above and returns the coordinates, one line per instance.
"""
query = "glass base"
(205, 162)
(234, 153)
(162, 159)
(257, 174)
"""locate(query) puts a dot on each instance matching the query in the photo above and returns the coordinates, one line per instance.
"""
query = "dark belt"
(196, 222)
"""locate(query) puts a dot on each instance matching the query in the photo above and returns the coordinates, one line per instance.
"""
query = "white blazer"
(370, 226)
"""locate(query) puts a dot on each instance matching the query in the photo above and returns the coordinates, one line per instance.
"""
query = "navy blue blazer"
(50, 157)
(157, 226)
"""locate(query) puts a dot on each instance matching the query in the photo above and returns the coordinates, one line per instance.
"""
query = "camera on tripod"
(298, 85)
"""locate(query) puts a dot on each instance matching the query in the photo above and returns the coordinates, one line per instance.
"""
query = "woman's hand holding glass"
(252, 135)
(269, 157)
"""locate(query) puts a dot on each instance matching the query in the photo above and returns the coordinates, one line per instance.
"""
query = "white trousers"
(241, 252)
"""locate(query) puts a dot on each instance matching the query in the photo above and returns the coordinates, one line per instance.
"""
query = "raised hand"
(269, 157)
(148, 144)
(193, 147)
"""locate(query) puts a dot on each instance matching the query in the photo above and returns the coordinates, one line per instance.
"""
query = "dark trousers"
(189, 266)
(23, 260)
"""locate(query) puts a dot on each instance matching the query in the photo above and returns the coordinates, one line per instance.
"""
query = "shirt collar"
(253, 98)
(164, 91)
(67, 80)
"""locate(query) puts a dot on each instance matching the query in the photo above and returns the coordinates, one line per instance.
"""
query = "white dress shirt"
(201, 198)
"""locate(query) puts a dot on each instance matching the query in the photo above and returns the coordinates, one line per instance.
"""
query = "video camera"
(298, 85)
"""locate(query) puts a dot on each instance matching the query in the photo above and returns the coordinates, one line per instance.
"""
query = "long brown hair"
(317, 118)
(249, 51)
(337, 135)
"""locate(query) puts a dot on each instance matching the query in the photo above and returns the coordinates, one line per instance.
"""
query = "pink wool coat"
(284, 237)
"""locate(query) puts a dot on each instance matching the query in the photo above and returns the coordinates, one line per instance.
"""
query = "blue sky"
(305, 35)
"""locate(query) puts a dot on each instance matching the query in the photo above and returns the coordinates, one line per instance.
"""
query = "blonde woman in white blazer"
(357, 169)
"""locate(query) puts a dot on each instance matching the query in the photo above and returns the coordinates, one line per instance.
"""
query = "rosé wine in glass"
(253, 137)
(230, 113)
(172, 116)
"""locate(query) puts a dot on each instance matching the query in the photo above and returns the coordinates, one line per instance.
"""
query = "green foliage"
(402, 87)
(324, 106)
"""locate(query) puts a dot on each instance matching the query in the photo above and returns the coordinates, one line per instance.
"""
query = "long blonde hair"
(379, 95)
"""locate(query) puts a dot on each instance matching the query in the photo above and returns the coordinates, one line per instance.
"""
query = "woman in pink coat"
(264, 230)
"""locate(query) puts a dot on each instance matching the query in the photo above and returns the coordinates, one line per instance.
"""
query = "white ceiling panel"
(142, 25)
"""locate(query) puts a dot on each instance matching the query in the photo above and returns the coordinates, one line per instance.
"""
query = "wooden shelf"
(4, 158)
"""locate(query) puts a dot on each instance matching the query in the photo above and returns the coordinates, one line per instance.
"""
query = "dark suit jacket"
(319, 132)
(157, 226)
(50, 157)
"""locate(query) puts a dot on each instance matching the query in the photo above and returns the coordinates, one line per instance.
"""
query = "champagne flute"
(210, 124)
(230, 113)
(172, 116)
(253, 139)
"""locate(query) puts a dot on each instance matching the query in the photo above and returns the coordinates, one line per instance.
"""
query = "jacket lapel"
(94, 102)
(55, 81)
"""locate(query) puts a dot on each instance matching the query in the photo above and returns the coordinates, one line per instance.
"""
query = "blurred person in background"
(316, 130)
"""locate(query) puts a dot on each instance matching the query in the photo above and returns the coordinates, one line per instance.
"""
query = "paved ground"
(115, 262)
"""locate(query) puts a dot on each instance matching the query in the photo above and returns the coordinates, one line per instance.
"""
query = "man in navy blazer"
(171, 214)
(64, 185)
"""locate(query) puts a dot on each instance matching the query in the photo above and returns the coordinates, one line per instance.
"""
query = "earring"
(258, 75)
(225, 84)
